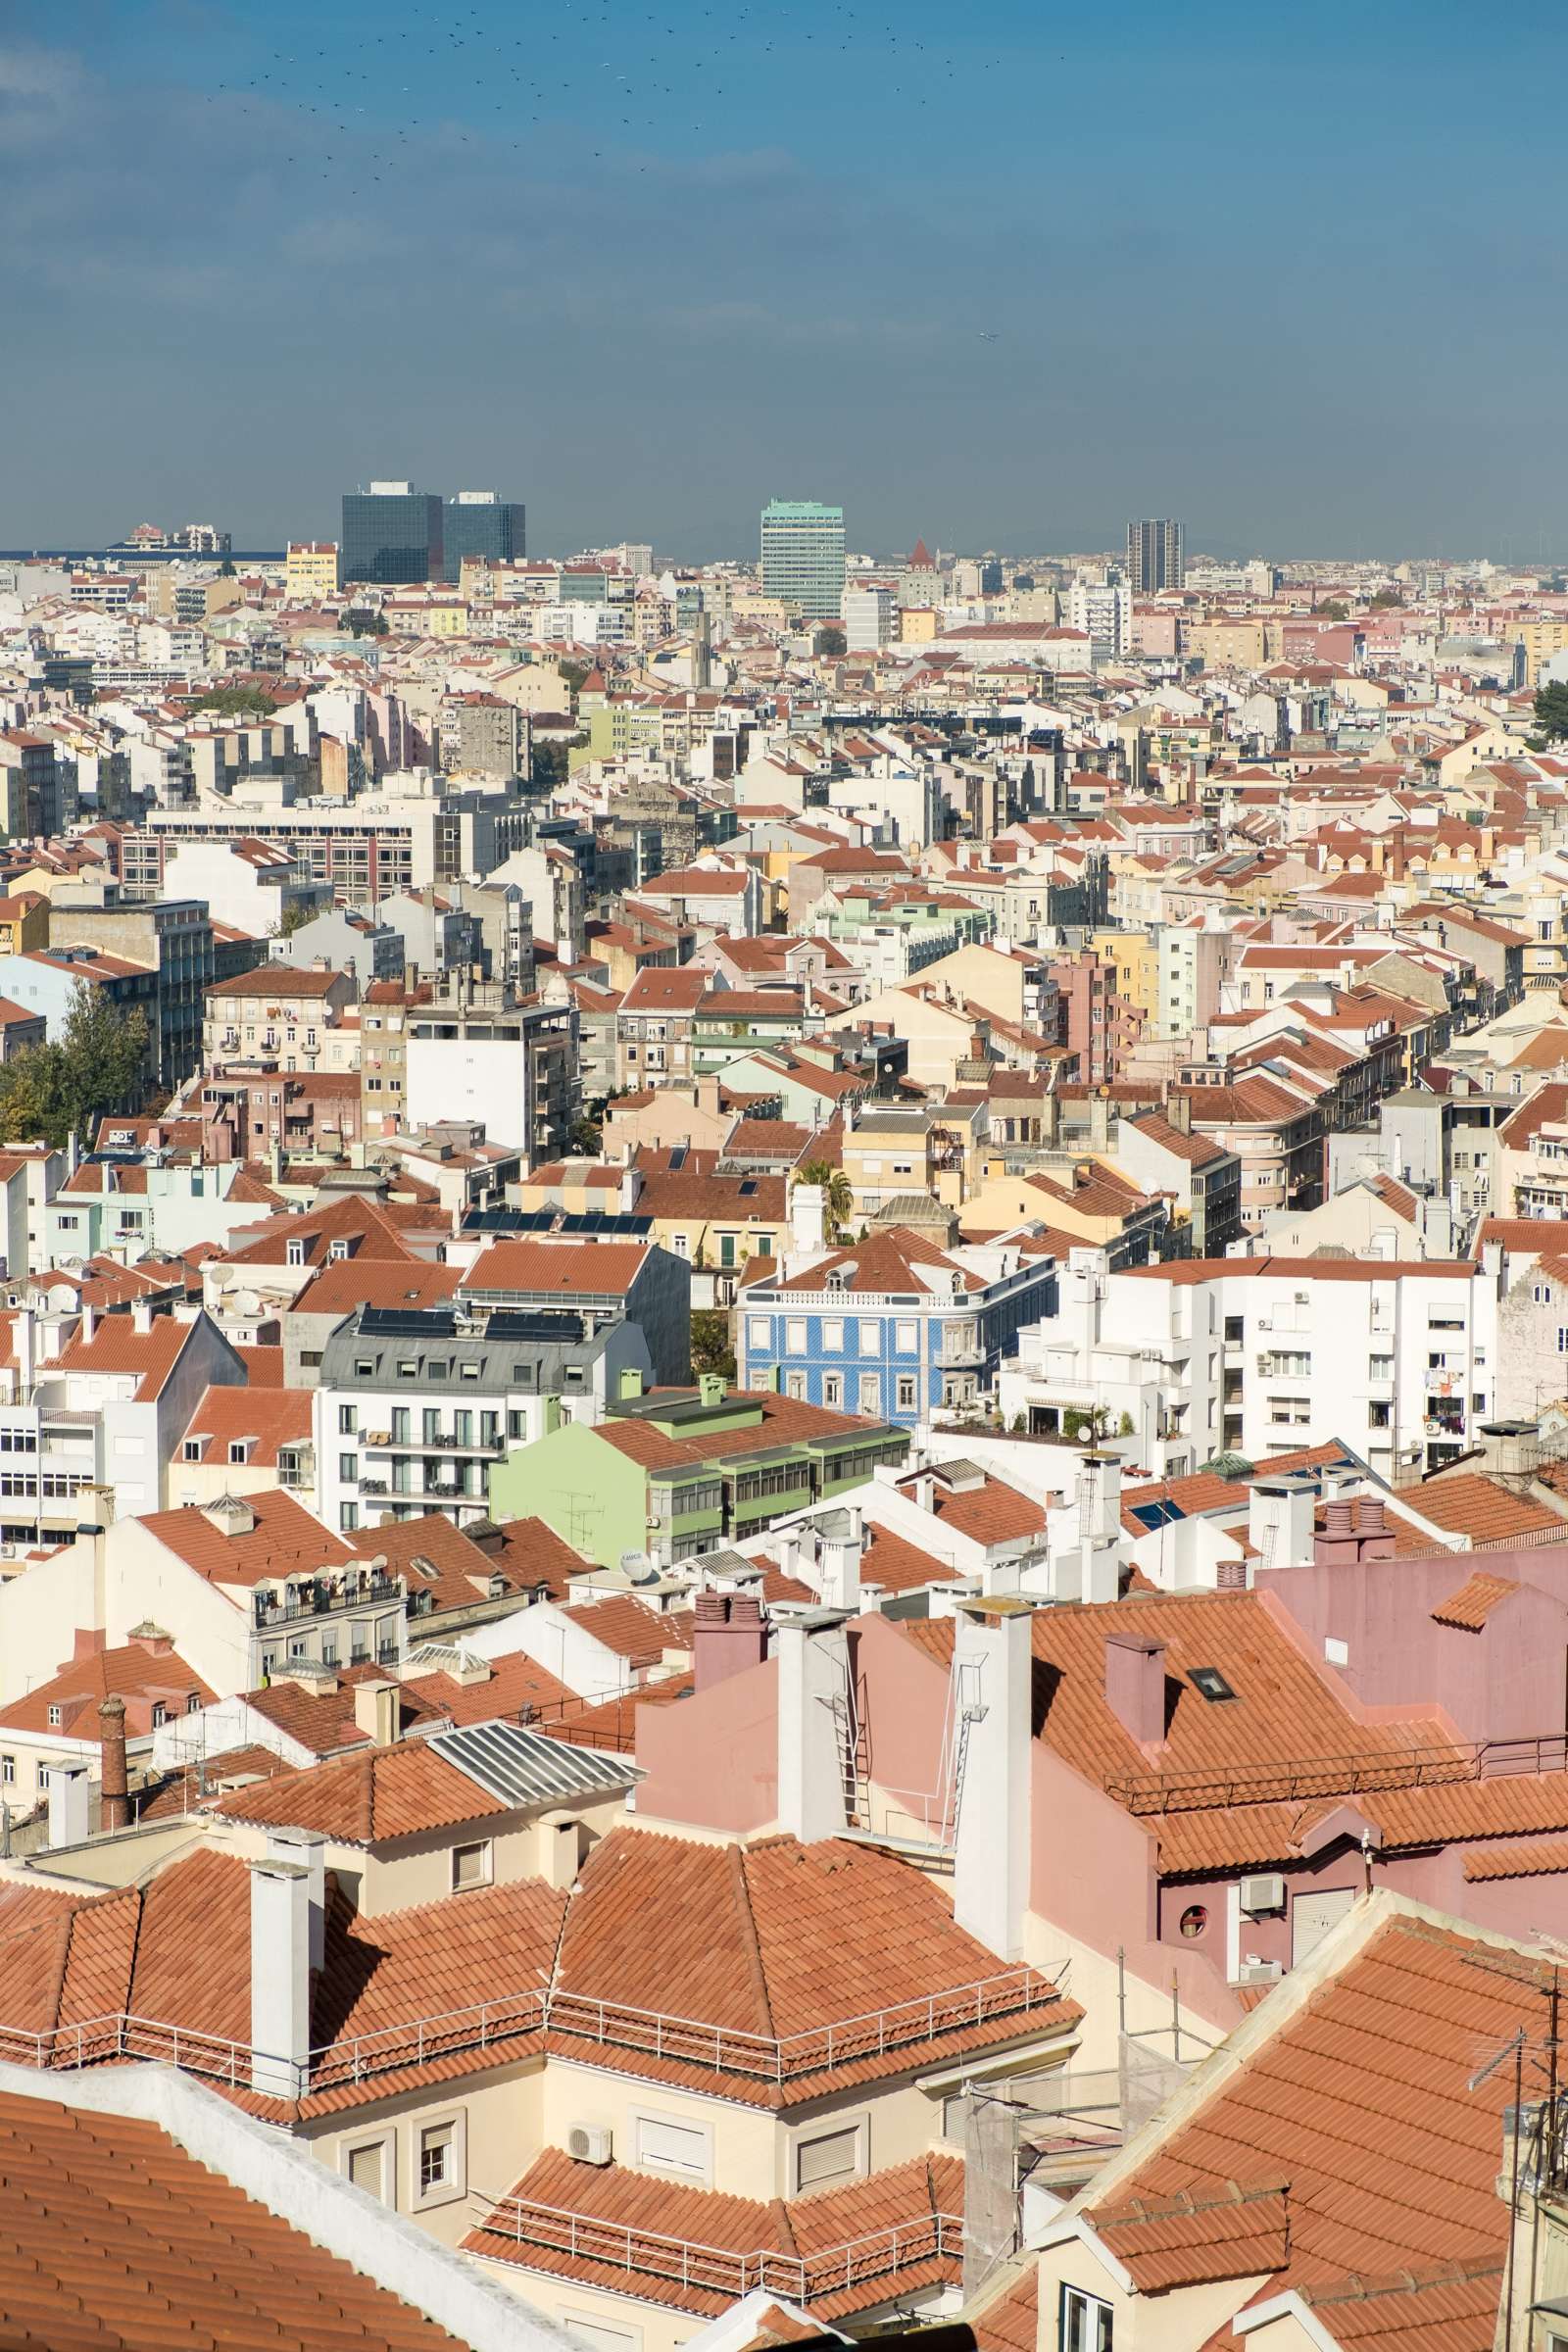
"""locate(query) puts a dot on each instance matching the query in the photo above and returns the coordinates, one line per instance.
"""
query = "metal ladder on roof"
(854, 1754)
(965, 1708)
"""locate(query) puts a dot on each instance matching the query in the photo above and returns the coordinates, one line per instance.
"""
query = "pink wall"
(1508, 1681)
(712, 1759)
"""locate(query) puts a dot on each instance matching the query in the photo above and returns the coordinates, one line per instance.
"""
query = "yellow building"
(309, 571)
(917, 624)
(1134, 959)
(24, 923)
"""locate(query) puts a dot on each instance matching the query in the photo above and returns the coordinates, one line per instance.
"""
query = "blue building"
(894, 1328)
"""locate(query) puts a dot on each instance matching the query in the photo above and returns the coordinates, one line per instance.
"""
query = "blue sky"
(1292, 276)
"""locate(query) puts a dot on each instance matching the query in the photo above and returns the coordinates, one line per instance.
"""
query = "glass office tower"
(803, 556)
(391, 533)
(1156, 557)
(482, 522)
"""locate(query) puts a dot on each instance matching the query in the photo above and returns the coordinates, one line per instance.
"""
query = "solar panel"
(522, 1767)
(1157, 1514)
(408, 1323)
(518, 1323)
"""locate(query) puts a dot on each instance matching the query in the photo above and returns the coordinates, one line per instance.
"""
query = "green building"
(803, 556)
(680, 1471)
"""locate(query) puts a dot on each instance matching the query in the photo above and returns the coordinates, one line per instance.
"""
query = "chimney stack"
(68, 1805)
(992, 1689)
(728, 1636)
(306, 1849)
(376, 1711)
(280, 1977)
(842, 1555)
(141, 1318)
(1135, 1685)
(113, 1782)
(815, 1699)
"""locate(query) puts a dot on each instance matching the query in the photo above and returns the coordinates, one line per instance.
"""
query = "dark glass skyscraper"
(1156, 557)
(482, 522)
(391, 533)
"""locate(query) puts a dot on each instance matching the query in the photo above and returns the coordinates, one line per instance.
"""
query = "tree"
(1386, 599)
(56, 1091)
(585, 1138)
(574, 674)
(235, 701)
(830, 640)
(836, 1185)
(293, 917)
(225, 570)
(1334, 611)
(362, 620)
(712, 1348)
(1552, 715)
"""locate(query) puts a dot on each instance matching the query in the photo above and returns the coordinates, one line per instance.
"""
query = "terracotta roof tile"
(1473, 1602)
(115, 2236)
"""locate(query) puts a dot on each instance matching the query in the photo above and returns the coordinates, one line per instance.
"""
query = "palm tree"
(836, 1185)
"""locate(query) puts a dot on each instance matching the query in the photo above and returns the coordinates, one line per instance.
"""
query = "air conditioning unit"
(1266, 1892)
(590, 2143)
(1261, 1972)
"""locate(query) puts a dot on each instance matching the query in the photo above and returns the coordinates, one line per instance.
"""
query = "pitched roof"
(1469, 1607)
(560, 1268)
(1348, 2144)
(361, 1799)
(891, 2219)
(118, 1348)
(144, 1674)
(286, 1540)
(266, 1420)
(113, 2235)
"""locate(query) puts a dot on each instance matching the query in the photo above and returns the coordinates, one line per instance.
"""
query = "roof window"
(1210, 1683)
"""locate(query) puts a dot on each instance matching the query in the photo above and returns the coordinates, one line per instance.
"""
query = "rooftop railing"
(800, 2279)
(1368, 1773)
(612, 2025)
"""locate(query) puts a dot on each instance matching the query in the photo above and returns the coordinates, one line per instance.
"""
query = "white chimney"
(68, 1805)
(90, 1321)
(809, 1217)
(813, 1721)
(1280, 1515)
(991, 1696)
(280, 1977)
(141, 1318)
(377, 1711)
(842, 1554)
(1100, 1497)
(307, 1849)
(24, 1348)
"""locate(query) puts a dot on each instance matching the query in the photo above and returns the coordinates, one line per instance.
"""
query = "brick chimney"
(728, 1636)
(1135, 1685)
(115, 1790)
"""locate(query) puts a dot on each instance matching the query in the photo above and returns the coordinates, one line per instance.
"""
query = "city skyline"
(1289, 367)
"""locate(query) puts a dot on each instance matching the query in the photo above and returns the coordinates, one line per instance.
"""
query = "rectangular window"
(366, 2166)
(870, 1335)
(665, 2146)
(872, 1394)
(907, 1339)
(828, 2156)
(833, 1335)
(795, 1335)
(470, 1866)
(348, 1516)
(833, 1389)
(1086, 2322)
(759, 1331)
(437, 2155)
(906, 1394)
(8, 1771)
(348, 1468)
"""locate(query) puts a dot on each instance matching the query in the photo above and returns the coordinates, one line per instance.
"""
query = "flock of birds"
(466, 69)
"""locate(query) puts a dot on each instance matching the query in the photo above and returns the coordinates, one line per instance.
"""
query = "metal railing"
(612, 2025)
(802, 2279)
(324, 1600)
(1371, 1772)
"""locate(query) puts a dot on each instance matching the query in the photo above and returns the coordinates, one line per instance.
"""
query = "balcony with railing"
(1370, 1772)
(324, 1597)
(731, 2271)
(1020, 1993)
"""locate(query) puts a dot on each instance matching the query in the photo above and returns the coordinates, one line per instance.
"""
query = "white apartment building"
(1103, 610)
(1259, 1356)
(870, 619)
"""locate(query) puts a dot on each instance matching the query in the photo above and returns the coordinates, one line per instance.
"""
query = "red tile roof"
(1349, 2146)
(112, 2235)
(286, 1539)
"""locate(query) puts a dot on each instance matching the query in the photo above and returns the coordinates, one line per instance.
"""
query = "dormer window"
(296, 1252)
(160, 1713)
(57, 1716)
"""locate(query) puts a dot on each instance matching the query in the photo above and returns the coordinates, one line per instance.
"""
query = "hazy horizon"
(997, 284)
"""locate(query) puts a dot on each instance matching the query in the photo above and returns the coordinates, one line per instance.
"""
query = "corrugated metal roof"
(521, 1767)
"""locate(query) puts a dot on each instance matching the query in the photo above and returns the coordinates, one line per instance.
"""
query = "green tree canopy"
(1551, 714)
(58, 1089)
(712, 1348)
(235, 701)
(836, 1185)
